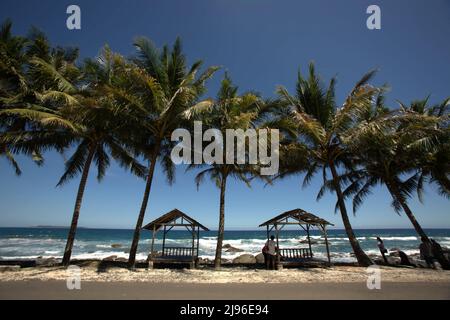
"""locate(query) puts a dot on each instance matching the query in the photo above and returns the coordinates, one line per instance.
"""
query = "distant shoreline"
(53, 227)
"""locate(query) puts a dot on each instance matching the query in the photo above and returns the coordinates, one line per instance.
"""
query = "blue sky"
(261, 43)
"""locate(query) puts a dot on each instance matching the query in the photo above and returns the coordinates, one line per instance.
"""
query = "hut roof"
(171, 217)
(299, 215)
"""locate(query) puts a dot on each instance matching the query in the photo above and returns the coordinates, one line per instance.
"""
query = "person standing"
(383, 249)
(264, 252)
(271, 253)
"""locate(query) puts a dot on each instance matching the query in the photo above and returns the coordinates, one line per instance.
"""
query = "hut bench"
(181, 252)
(175, 255)
(307, 221)
(295, 253)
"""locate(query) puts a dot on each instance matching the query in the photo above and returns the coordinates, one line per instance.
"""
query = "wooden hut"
(170, 254)
(307, 221)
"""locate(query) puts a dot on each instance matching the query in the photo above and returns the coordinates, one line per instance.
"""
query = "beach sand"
(338, 282)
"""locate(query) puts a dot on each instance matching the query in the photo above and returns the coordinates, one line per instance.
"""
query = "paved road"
(36, 289)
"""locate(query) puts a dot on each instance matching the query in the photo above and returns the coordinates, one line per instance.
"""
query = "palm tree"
(159, 88)
(231, 111)
(28, 81)
(320, 127)
(392, 145)
(434, 158)
(103, 124)
(88, 119)
(13, 84)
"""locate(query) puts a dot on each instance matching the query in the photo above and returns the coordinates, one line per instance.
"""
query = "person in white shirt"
(271, 253)
(383, 249)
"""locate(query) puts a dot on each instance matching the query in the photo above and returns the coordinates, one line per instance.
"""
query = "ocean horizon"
(99, 243)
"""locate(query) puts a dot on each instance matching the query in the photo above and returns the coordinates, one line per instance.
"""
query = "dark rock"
(90, 264)
(394, 254)
(259, 258)
(393, 260)
(230, 248)
(421, 264)
(207, 260)
(47, 262)
(245, 258)
(116, 245)
(306, 241)
(110, 258)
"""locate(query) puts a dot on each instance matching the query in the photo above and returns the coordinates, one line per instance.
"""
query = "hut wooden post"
(278, 247)
(150, 261)
(198, 239)
(309, 240)
(193, 244)
(164, 240)
(198, 246)
(267, 232)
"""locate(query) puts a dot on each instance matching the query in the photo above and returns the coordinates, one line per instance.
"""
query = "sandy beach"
(339, 282)
(336, 274)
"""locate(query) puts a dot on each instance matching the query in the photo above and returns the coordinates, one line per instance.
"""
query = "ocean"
(31, 243)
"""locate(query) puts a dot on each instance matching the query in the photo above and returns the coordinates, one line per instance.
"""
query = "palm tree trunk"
(361, 256)
(140, 220)
(76, 211)
(395, 193)
(220, 234)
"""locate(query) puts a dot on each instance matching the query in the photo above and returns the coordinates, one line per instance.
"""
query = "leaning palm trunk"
(220, 234)
(76, 211)
(395, 193)
(140, 220)
(361, 256)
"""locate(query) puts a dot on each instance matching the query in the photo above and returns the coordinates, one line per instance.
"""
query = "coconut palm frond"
(75, 164)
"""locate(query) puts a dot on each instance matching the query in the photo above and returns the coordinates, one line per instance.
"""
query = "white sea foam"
(408, 238)
(103, 254)
(52, 252)
(103, 245)
(29, 257)
(396, 238)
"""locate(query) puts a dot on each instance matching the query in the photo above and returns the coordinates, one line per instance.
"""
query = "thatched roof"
(299, 216)
(170, 217)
